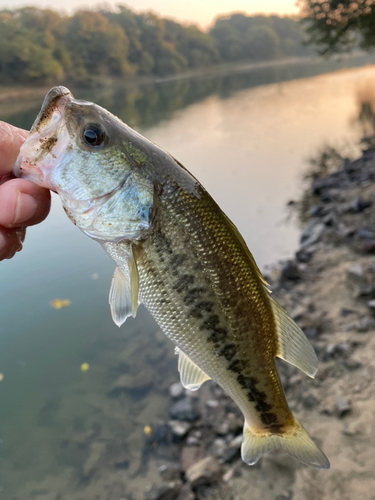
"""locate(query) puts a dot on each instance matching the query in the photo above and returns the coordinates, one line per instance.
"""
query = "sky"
(201, 12)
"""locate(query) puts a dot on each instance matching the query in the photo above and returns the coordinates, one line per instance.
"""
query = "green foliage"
(41, 45)
(339, 25)
(239, 37)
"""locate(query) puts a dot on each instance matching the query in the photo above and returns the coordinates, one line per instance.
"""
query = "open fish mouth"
(47, 140)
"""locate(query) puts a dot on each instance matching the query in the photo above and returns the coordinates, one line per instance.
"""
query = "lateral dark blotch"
(228, 351)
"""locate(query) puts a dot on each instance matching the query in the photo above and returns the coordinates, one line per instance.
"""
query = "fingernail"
(26, 208)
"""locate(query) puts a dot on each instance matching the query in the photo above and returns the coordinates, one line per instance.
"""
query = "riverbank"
(329, 289)
(17, 93)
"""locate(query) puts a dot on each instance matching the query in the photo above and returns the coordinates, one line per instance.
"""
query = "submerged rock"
(204, 472)
(311, 233)
(185, 409)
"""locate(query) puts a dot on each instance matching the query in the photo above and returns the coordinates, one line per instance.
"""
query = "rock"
(309, 401)
(212, 403)
(185, 409)
(176, 390)
(365, 324)
(186, 493)
(218, 447)
(358, 204)
(355, 272)
(298, 312)
(346, 312)
(170, 472)
(311, 233)
(179, 429)
(289, 271)
(371, 305)
(317, 211)
(133, 384)
(204, 472)
(97, 450)
(222, 429)
(342, 349)
(192, 441)
(352, 364)
(190, 455)
(365, 234)
(304, 255)
(169, 491)
(159, 434)
(342, 406)
(311, 333)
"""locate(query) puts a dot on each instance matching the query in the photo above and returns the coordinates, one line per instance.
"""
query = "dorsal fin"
(293, 345)
(192, 377)
(247, 251)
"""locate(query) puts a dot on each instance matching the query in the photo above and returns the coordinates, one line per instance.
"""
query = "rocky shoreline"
(329, 290)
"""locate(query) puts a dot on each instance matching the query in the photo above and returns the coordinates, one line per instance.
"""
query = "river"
(247, 137)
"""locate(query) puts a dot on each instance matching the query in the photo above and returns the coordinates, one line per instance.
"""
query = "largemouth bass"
(177, 253)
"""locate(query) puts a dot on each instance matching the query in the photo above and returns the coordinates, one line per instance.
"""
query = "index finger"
(11, 139)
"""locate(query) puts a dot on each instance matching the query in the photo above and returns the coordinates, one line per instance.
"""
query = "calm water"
(66, 434)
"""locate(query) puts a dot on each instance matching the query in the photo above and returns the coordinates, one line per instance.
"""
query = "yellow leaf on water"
(84, 367)
(60, 303)
(1, 377)
(147, 430)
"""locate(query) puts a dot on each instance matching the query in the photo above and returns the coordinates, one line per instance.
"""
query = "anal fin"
(293, 345)
(192, 377)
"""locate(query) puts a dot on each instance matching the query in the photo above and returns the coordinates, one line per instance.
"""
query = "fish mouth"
(47, 139)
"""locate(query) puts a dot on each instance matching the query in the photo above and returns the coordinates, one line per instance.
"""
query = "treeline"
(42, 45)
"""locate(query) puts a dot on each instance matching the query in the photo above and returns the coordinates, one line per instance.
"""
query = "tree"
(339, 25)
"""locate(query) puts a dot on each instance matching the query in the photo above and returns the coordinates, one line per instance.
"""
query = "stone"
(185, 409)
(179, 429)
(134, 384)
(358, 204)
(212, 403)
(170, 472)
(365, 324)
(189, 456)
(342, 406)
(311, 233)
(222, 429)
(289, 271)
(204, 472)
(311, 333)
(169, 491)
(176, 390)
(309, 401)
(304, 256)
(97, 450)
(186, 493)
(317, 211)
(352, 364)
(365, 234)
(346, 312)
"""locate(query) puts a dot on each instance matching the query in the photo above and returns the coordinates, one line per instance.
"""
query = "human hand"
(22, 203)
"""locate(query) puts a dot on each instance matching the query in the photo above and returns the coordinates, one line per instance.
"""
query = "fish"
(177, 253)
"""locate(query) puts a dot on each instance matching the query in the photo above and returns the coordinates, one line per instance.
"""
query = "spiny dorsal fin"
(192, 377)
(123, 294)
(293, 345)
(247, 252)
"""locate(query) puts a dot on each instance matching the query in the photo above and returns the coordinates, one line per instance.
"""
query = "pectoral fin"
(120, 298)
(192, 377)
(123, 294)
(293, 345)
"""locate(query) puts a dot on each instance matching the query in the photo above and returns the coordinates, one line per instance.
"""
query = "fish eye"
(93, 135)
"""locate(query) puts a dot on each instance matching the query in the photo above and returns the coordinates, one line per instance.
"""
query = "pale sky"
(201, 12)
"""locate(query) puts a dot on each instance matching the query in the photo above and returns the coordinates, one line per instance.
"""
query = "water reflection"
(145, 106)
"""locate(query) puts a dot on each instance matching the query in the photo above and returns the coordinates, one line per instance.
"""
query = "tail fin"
(296, 443)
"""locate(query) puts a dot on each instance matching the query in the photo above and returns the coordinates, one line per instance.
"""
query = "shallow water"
(246, 137)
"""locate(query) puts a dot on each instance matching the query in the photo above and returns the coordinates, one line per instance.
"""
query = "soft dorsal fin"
(123, 294)
(293, 345)
(192, 377)
(247, 251)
